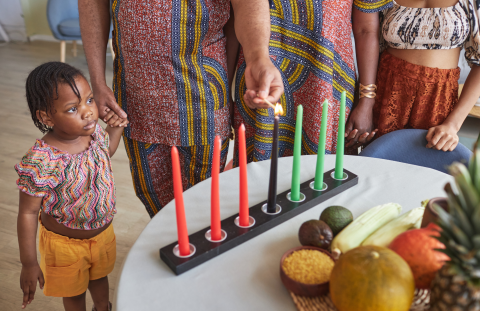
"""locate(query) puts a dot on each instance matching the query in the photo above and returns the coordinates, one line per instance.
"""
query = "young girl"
(67, 175)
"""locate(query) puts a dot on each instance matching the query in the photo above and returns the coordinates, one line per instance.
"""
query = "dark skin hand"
(360, 121)
(28, 282)
(359, 128)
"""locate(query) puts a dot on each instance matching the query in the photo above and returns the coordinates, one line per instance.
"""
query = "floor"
(17, 135)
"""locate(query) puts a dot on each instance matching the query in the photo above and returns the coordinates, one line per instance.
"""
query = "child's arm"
(27, 223)
(114, 130)
(115, 134)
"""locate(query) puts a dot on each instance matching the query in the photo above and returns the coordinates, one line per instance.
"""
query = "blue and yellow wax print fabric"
(151, 169)
(311, 45)
(170, 69)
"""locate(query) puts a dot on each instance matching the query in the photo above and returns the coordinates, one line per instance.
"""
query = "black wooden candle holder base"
(206, 250)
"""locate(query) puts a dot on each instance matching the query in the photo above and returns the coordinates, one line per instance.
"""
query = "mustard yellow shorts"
(69, 264)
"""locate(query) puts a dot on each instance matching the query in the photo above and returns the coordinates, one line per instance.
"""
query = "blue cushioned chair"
(63, 20)
(408, 146)
(64, 23)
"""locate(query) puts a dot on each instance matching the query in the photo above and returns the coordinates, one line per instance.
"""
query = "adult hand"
(442, 137)
(105, 101)
(263, 81)
(28, 282)
(358, 130)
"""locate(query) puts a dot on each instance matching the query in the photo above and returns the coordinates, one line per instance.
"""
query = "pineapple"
(456, 286)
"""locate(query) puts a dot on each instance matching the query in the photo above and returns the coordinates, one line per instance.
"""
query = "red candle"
(215, 225)
(242, 159)
(183, 243)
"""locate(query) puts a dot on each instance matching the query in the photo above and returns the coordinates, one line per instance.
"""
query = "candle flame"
(278, 109)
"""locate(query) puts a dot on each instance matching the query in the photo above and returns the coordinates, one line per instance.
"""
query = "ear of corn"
(363, 226)
(385, 234)
(418, 224)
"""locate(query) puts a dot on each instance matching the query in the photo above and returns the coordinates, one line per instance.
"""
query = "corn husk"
(387, 233)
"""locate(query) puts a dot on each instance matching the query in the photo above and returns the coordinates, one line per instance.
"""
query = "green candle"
(297, 153)
(318, 184)
(340, 139)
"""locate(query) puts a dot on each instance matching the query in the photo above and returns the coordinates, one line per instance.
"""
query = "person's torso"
(171, 73)
(426, 28)
(77, 190)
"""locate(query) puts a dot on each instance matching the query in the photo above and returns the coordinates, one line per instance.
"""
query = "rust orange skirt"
(412, 96)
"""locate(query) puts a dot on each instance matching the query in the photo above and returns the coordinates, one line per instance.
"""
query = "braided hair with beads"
(42, 88)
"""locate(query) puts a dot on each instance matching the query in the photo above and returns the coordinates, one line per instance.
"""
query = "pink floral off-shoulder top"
(77, 189)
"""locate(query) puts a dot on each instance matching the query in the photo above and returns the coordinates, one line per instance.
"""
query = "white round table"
(247, 277)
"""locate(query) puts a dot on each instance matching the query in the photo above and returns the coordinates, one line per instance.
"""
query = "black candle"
(272, 186)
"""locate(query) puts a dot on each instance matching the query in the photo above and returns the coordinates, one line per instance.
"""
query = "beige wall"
(35, 16)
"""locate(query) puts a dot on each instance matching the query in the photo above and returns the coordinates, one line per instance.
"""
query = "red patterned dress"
(170, 77)
(311, 45)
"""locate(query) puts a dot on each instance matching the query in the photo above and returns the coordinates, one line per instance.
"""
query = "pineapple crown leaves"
(461, 224)
(474, 167)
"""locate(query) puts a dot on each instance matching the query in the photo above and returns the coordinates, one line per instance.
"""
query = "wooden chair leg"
(74, 48)
(111, 48)
(62, 51)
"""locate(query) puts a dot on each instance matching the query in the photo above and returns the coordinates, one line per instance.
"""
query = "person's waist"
(416, 71)
(66, 230)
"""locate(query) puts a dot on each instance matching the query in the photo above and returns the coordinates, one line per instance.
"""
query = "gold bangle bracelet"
(368, 90)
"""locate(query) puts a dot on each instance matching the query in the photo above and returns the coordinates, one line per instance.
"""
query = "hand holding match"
(269, 103)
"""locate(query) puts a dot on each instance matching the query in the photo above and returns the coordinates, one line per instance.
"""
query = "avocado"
(337, 218)
(315, 233)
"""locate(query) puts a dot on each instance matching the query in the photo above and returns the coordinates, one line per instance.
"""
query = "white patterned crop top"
(433, 28)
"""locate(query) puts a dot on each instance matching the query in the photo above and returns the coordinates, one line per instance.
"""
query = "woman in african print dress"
(311, 44)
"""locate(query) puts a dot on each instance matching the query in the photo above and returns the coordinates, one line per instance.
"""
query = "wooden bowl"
(299, 288)
(429, 215)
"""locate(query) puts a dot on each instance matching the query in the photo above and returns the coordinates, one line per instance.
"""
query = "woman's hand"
(106, 101)
(358, 130)
(442, 137)
(28, 282)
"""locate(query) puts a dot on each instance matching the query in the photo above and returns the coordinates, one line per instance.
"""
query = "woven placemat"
(323, 303)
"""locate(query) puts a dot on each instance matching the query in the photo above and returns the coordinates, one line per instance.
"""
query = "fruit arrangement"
(383, 255)
(367, 274)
